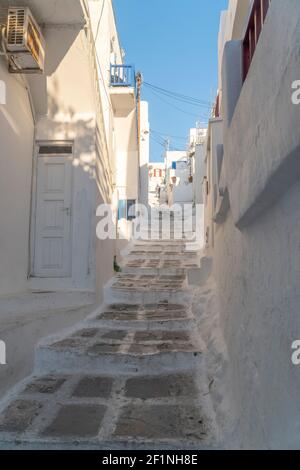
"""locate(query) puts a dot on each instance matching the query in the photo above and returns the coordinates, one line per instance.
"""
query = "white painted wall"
(66, 108)
(144, 153)
(182, 190)
(210, 181)
(256, 266)
(107, 45)
(233, 24)
(71, 116)
(199, 173)
(259, 306)
(127, 157)
(156, 180)
(16, 143)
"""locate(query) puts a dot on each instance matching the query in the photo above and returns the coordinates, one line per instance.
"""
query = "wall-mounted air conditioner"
(24, 42)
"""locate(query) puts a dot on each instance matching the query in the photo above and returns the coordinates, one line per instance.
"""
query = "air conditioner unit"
(25, 45)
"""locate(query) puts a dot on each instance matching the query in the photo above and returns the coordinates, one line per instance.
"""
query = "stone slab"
(19, 415)
(46, 385)
(93, 387)
(161, 422)
(76, 421)
(174, 385)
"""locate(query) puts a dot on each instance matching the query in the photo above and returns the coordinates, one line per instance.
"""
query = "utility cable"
(176, 107)
(179, 96)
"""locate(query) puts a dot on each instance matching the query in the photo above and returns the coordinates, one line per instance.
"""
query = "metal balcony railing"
(255, 25)
(122, 76)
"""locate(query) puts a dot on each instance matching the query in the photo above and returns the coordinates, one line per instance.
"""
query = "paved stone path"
(129, 376)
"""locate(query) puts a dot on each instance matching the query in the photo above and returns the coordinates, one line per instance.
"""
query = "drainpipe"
(31, 233)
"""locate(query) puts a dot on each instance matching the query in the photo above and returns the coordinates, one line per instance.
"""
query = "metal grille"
(55, 149)
(34, 41)
(16, 23)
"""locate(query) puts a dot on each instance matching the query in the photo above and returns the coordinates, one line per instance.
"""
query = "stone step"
(133, 361)
(163, 243)
(146, 282)
(149, 317)
(152, 271)
(130, 293)
(124, 338)
(159, 245)
(158, 268)
(166, 236)
(78, 411)
(118, 351)
(163, 256)
(142, 289)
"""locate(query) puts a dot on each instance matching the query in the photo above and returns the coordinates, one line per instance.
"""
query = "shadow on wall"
(129, 145)
(54, 56)
(88, 142)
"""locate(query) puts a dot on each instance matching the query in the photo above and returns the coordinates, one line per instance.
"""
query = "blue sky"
(174, 44)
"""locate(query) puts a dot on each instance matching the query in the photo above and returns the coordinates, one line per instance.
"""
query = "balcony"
(122, 87)
(122, 76)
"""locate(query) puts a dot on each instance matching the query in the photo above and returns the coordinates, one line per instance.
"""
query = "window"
(124, 208)
(49, 149)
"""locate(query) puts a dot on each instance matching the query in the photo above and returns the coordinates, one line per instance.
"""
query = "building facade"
(157, 174)
(252, 218)
(179, 177)
(69, 142)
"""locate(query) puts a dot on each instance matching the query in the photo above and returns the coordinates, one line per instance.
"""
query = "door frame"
(33, 215)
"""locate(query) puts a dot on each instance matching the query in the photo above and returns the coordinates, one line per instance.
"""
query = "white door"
(53, 245)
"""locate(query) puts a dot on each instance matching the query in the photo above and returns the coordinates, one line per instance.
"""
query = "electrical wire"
(178, 96)
(166, 134)
(159, 142)
(176, 107)
(163, 144)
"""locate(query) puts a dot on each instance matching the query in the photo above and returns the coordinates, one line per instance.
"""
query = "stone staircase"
(130, 376)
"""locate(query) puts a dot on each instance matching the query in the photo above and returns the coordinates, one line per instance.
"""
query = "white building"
(144, 154)
(252, 216)
(185, 170)
(179, 177)
(157, 174)
(196, 153)
(69, 142)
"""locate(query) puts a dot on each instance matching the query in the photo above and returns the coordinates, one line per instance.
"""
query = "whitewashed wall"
(259, 300)
(16, 151)
(144, 153)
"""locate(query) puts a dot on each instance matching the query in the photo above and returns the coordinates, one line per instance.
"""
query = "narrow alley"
(130, 375)
(149, 228)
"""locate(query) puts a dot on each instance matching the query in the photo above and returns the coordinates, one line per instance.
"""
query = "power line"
(164, 134)
(163, 144)
(181, 100)
(176, 107)
(159, 142)
(179, 96)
